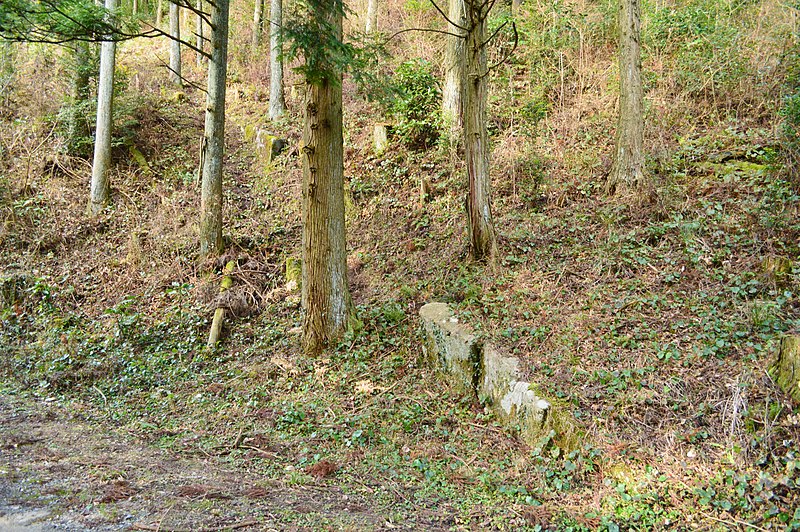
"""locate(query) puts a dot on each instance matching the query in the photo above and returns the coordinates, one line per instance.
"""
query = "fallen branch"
(159, 528)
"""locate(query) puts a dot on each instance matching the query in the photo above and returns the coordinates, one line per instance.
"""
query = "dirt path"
(65, 473)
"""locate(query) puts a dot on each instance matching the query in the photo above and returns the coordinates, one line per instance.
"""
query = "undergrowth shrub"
(703, 39)
(416, 104)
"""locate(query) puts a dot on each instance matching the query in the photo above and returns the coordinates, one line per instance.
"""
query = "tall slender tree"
(6, 67)
(372, 16)
(258, 23)
(199, 30)
(483, 242)
(100, 188)
(277, 101)
(455, 60)
(317, 35)
(77, 126)
(214, 137)
(175, 45)
(627, 174)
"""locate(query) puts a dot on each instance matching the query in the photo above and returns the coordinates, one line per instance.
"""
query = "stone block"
(455, 346)
(475, 367)
(268, 146)
(380, 136)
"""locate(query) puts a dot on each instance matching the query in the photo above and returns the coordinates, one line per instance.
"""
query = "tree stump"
(786, 370)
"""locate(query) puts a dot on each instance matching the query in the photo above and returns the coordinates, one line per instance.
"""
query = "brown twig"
(159, 528)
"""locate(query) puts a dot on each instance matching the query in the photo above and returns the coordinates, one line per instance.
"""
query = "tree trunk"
(174, 45)
(77, 127)
(100, 189)
(199, 40)
(454, 70)
(627, 173)
(372, 16)
(277, 101)
(326, 296)
(214, 137)
(159, 13)
(476, 137)
(6, 69)
(258, 23)
(135, 8)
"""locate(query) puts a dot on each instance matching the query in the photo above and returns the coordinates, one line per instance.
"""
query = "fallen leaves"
(117, 490)
(322, 469)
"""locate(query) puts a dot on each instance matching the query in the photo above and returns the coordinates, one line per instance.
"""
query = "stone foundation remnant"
(380, 137)
(475, 367)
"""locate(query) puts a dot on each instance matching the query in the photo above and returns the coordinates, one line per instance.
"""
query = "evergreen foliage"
(53, 21)
(317, 40)
(416, 103)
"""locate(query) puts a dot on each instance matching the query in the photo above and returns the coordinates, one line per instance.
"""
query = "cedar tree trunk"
(454, 69)
(476, 137)
(199, 40)
(100, 189)
(277, 101)
(326, 296)
(214, 137)
(372, 16)
(258, 23)
(627, 173)
(175, 45)
(77, 126)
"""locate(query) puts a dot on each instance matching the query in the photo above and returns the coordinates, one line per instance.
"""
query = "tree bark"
(372, 16)
(214, 137)
(100, 189)
(627, 173)
(277, 101)
(199, 40)
(159, 13)
(325, 292)
(77, 126)
(6, 69)
(174, 45)
(258, 23)
(482, 238)
(454, 70)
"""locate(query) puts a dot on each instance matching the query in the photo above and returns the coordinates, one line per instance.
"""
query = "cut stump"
(786, 369)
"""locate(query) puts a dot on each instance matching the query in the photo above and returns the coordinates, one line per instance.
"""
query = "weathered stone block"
(380, 137)
(268, 146)
(294, 273)
(454, 345)
(493, 376)
(498, 374)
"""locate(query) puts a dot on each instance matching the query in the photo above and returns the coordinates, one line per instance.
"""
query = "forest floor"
(653, 325)
(65, 472)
